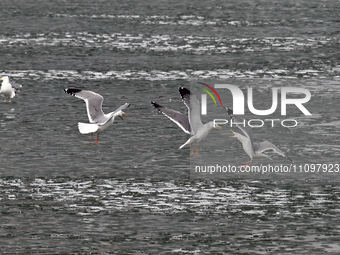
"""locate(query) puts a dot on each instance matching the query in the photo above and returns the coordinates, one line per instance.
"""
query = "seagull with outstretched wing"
(253, 149)
(190, 124)
(99, 121)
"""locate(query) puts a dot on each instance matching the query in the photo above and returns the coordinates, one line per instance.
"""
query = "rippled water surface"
(134, 192)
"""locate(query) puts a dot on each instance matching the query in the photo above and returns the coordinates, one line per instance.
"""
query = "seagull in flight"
(98, 120)
(253, 149)
(8, 89)
(190, 124)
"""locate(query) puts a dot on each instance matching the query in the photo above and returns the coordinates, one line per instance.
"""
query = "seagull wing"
(194, 113)
(122, 107)
(180, 119)
(15, 85)
(265, 146)
(106, 118)
(242, 124)
(93, 102)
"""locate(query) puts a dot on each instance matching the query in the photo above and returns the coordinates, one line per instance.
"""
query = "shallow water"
(134, 193)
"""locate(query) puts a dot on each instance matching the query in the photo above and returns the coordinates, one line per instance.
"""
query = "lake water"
(134, 193)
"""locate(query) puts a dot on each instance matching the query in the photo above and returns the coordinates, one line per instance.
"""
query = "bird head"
(217, 126)
(5, 79)
(235, 135)
(121, 114)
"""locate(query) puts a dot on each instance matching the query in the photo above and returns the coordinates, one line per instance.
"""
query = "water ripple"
(161, 75)
(111, 195)
(191, 44)
(189, 20)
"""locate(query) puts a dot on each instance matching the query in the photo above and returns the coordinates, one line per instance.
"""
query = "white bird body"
(200, 134)
(87, 128)
(8, 89)
(247, 147)
(246, 144)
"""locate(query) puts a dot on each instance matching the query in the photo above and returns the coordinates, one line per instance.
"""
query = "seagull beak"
(232, 135)
(122, 116)
(219, 128)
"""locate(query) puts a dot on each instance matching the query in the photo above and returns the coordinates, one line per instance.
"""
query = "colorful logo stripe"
(208, 92)
(213, 90)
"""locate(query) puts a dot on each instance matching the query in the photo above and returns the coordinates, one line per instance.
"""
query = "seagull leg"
(248, 163)
(91, 136)
(97, 142)
(196, 150)
(191, 150)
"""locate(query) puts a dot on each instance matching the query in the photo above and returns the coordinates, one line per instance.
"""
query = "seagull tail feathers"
(86, 128)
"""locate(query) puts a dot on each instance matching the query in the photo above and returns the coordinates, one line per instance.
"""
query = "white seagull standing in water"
(8, 89)
(98, 120)
(192, 124)
(253, 149)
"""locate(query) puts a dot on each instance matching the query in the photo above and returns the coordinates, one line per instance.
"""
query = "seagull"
(192, 124)
(98, 120)
(253, 149)
(8, 89)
